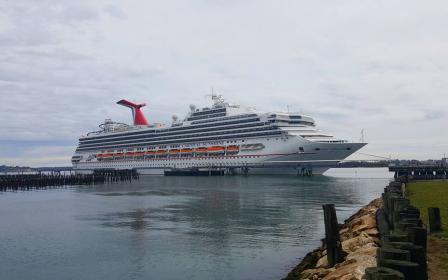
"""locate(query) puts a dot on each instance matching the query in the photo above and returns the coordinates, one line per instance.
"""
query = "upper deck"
(222, 118)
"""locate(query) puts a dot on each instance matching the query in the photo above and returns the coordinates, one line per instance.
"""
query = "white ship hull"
(281, 155)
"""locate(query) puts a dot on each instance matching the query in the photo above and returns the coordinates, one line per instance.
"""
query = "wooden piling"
(435, 221)
(382, 222)
(332, 238)
(383, 273)
(22, 182)
(417, 255)
(409, 269)
(392, 254)
(418, 236)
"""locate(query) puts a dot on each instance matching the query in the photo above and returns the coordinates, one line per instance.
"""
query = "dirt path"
(437, 258)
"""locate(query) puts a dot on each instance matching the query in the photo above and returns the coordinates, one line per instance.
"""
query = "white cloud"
(377, 65)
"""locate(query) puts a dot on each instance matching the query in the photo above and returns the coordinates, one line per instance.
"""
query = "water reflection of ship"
(224, 216)
(139, 222)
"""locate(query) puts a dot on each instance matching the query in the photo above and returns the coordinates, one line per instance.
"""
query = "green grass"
(426, 194)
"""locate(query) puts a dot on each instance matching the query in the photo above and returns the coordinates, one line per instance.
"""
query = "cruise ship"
(225, 138)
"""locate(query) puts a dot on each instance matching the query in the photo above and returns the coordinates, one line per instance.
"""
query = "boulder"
(353, 244)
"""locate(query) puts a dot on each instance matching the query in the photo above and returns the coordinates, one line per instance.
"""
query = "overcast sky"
(381, 66)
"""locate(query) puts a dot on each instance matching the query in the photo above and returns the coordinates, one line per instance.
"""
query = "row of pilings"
(116, 176)
(22, 182)
(402, 254)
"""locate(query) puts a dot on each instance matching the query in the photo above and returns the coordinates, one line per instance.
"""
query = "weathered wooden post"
(403, 190)
(392, 254)
(382, 273)
(409, 269)
(332, 239)
(417, 256)
(418, 236)
(435, 222)
(382, 222)
(399, 205)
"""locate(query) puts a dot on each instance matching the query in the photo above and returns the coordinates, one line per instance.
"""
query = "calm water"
(175, 227)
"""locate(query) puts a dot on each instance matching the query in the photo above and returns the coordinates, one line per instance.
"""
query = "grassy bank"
(426, 194)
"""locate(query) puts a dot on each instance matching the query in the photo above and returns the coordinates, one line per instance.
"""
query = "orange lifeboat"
(174, 151)
(186, 151)
(233, 149)
(129, 154)
(160, 152)
(149, 154)
(118, 155)
(216, 150)
(200, 150)
(139, 154)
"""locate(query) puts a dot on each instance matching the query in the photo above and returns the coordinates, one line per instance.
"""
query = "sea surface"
(231, 227)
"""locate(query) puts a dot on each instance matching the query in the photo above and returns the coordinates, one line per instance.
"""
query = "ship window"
(301, 149)
(349, 148)
(317, 149)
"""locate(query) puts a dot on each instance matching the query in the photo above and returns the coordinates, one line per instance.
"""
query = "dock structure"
(403, 237)
(23, 182)
(419, 172)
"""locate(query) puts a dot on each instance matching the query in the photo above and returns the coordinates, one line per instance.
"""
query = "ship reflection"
(249, 210)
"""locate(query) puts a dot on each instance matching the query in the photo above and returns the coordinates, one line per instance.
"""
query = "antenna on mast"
(362, 136)
(217, 99)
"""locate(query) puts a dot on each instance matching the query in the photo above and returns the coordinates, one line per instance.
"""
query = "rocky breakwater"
(359, 238)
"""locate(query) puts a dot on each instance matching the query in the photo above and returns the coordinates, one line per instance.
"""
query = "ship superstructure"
(224, 137)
